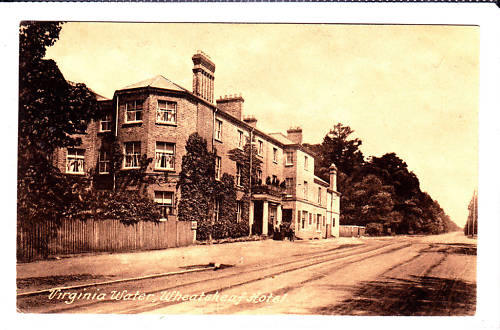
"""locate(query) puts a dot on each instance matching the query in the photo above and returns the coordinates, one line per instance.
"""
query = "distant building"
(156, 116)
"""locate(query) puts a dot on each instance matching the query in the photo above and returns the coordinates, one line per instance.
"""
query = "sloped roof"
(281, 138)
(158, 81)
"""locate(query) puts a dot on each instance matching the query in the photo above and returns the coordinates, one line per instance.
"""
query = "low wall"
(351, 231)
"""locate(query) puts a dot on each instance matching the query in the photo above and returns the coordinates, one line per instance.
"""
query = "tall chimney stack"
(333, 177)
(203, 76)
(294, 134)
(232, 104)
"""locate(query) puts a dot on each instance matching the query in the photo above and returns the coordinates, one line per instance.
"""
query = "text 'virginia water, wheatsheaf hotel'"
(156, 116)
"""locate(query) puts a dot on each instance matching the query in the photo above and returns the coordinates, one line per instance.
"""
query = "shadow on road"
(419, 296)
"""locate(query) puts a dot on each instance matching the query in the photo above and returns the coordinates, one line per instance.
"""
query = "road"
(427, 275)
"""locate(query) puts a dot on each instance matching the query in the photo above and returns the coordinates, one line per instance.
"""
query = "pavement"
(101, 267)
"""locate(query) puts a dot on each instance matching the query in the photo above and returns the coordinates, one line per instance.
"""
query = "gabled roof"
(158, 81)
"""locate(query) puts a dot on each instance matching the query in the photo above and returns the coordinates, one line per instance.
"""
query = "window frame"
(306, 163)
(239, 210)
(165, 152)
(217, 210)
(260, 148)
(77, 158)
(275, 155)
(135, 103)
(134, 154)
(108, 122)
(218, 130)
(319, 195)
(169, 207)
(305, 190)
(239, 169)
(106, 161)
(289, 153)
(166, 111)
(218, 165)
(241, 137)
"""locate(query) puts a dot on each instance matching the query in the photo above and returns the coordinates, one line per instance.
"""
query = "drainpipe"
(250, 177)
(116, 137)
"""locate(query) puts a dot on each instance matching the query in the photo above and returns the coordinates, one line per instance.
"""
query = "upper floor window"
(132, 154)
(259, 176)
(104, 162)
(105, 124)
(318, 221)
(166, 112)
(305, 189)
(218, 130)
(241, 139)
(239, 169)
(217, 167)
(165, 156)
(275, 155)
(306, 163)
(260, 150)
(289, 185)
(319, 195)
(133, 111)
(75, 160)
(165, 199)
(310, 218)
(289, 158)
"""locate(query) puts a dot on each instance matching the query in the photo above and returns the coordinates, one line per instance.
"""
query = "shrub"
(374, 229)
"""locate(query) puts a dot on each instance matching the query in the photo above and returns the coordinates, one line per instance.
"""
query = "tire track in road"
(338, 251)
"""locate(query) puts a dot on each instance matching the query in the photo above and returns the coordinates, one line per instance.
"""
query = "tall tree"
(51, 111)
(197, 185)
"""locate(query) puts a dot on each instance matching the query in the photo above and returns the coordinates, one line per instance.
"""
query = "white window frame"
(239, 169)
(161, 199)
(135, 107)
(164, 155)
(275, 155)
(135, 155)
(216, 210)
(106, 121)
(239, 209)
(218, 130)
(289, 158)
(306, 163)
(106, 162)
(218, 162)
(260, 149)
(166, 112)
(240, 139)
(289, 185)
(75, 158)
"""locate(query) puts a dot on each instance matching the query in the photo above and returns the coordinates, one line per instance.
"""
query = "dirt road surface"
(426, 275)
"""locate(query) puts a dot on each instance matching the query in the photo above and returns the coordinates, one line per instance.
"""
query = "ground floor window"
(239, 208)
(165, 199)
(216, 210)
(75, 160)
(304, 216)
(318, 221)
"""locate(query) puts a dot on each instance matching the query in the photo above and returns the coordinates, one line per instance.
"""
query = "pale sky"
(412, 90)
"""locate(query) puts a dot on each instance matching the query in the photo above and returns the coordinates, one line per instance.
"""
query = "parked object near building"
(156, 116)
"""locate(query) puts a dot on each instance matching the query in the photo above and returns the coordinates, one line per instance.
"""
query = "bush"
(374, 229)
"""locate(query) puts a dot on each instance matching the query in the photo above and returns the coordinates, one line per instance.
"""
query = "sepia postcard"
(279, 168)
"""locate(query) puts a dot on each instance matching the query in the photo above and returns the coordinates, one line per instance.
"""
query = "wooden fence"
(351, 231)
(74, 236)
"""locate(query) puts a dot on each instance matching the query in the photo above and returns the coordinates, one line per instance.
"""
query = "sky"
(408, 89)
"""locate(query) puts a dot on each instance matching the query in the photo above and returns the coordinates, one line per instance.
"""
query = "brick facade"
(222, 126)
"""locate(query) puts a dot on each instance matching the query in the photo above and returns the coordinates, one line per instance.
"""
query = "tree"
(248, 169)
(51, 112)
(197, 185)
